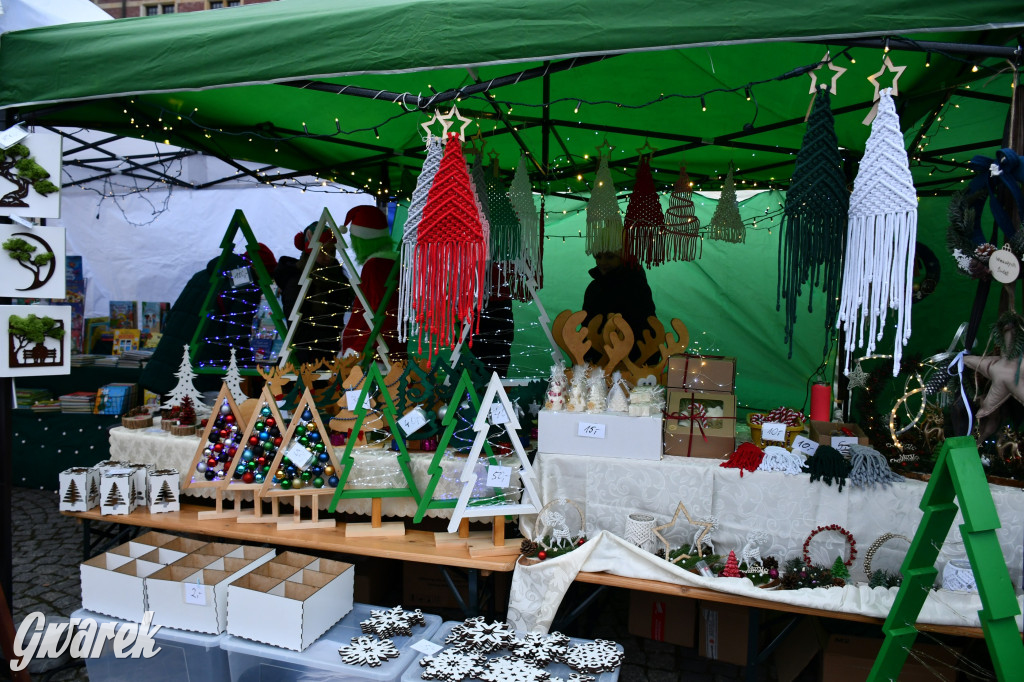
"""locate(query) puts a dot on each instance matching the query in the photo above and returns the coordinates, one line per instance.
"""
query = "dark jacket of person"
(623, 290)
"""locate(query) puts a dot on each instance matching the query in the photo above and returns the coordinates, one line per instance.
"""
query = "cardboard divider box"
(604, 434)
(192, 593)
(684, 437)
(663, 618)
(186, 545)
(849, 659)
(293, 559)
(218, 548)
(163, 556)
(114, 585)
(278, 571)
(714, 373)
(147, 542)
(291, 614)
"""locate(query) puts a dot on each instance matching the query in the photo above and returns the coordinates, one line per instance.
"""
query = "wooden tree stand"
(480, 542)
(257, 510)
(219, 512)
(297, 522)
(376, 527)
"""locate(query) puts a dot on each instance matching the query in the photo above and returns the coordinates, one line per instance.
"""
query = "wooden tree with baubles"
(218, 446)
(502, 414)
(732, 567)
(259, 440)
(305, 466)
(375, 385)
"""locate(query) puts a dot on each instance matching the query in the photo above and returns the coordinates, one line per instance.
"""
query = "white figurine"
(618, 396)
(597, 394)
(578, 388)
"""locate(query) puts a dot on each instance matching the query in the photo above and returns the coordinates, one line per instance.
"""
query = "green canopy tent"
(337, 90)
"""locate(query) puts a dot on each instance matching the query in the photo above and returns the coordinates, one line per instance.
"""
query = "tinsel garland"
(746, 457)
(870, 467)
(828, 465)
(814, 225)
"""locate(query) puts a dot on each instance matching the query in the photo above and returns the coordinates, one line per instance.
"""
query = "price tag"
(12, 136)
(590, 430)
(240, 277)
(413, 421)
(773, 431)
(498, 414)
(843, 443)
(352, 397)
(425, 646)
(498, 476)
(195, 593)
(1004, 266)
(804, 446)
(300, 456)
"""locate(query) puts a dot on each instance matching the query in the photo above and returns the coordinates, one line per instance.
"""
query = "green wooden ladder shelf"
(958, 477)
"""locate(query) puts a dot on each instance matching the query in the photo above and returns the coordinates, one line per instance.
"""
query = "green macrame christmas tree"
(506, 238)
(814, 225)
(726, 224)
(604, 220)
(682, 228)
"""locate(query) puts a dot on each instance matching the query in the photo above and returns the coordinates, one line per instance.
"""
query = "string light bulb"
(928, 60)
(703, 104)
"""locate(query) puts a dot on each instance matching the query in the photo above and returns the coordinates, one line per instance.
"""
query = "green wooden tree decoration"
(416, 387)
(958, 477)
(463, 388)
(375, 382)
(217, 286)
(839, 569)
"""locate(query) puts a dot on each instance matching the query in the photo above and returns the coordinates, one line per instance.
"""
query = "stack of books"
(106, 361)
(135, 358)
(84, 359)
(46, 406)
(116, 398)
(79, 402)
(26, 397)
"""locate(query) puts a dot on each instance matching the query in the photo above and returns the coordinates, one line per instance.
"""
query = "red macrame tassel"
(643, 237)
(451, 253)
(747, 456)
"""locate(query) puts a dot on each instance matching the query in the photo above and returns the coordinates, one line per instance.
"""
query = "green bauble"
(318, 482)
(319, 447)
(305, 475)
(286, 484)
(304, 441)
(300, 430)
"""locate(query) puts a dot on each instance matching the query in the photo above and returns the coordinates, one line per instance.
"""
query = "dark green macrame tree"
(814, 225)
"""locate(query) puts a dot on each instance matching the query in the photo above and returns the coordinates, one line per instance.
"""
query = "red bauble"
(254, 440)
(230, 419)
(212, 462)
(542, 555)
(248, 477)
(261, 461)
(269, 421)
(223, 433)
(218, 447)
(277, 441)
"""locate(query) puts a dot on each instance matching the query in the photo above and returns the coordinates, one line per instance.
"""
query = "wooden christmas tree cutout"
(503, 414)
(216, 453)
(958, 477)
(305, 466)
(263, 281)
(375, 382)
(250, 468)
(72, 496)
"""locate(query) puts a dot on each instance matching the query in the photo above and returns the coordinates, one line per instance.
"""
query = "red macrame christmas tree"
(451, 254)
(682, 228)
(732, 567)
(643, 240)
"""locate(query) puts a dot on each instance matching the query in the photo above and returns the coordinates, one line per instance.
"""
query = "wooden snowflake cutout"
(542, 649)
(599, 656)
(509, 669)
(573, 677)
(392, 622)
(368, 651)
(452, 665)
(476, 634)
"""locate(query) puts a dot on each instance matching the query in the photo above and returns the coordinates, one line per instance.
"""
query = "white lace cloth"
(373, 468)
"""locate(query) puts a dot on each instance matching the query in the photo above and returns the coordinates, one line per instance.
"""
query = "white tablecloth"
(787, 507)
(373, 468)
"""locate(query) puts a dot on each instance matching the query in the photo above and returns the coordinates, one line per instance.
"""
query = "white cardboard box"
(604, 434)
(164, 491)
(114, 585)
(192, 593)
(78, 489)
(117, 492)
(291, 613)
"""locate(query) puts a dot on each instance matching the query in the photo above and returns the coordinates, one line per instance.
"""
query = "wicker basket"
(755, 434)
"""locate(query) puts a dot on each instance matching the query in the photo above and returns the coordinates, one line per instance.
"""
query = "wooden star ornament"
(700, 537)
(428, 125)
(832, 66)
(449, 120)
(887, 65)
(1002, 372)
(857, 378)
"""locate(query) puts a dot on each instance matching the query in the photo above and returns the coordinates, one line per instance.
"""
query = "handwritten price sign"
(587, 430)
(195, 593)
(773, 431)
(413, 421)
(352, 398)
(498, 476)
(805, 446)
(498, 414)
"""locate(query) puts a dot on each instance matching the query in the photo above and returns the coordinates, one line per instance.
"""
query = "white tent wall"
(153, 262)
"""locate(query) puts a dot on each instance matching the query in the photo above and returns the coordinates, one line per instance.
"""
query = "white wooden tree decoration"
(185, 387)
(504, 414)
(233, 380)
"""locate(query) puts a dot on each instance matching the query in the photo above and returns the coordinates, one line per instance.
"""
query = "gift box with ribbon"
(700, 423)
(715, 373)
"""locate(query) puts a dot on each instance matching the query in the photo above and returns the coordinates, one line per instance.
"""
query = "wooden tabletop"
(415, 545)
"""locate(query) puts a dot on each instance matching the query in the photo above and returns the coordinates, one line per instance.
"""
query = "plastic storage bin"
(255, 662)
(183, 657)
(414, 671)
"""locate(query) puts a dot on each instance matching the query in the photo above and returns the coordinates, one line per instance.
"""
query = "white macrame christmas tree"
(597, 391)
(604, 221)
(185, 387)
(529, 502)
(406, 319)
(578, 389)
(520, 193)
(233, 380)
(618, 395)
(726, 224)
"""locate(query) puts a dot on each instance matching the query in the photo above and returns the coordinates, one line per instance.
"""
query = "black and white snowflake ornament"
(541, 649)
(452, 665)
(476, 634)
(391, 622)
(599, 656)
(511, 669)
(368, 650)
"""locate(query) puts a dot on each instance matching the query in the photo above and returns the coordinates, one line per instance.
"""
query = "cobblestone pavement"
(48, 550)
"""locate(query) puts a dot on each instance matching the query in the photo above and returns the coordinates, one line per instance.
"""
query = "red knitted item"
(643, 236)
(747, 456)
(450, 255)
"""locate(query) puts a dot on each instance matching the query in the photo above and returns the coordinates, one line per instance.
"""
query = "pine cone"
(770, 562)
(984, 252)
(528, 547)
(838, 582)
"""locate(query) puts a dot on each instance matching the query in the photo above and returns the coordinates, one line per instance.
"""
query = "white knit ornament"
(406, 318)
(881, 235)
(780, 459)
(604, 221)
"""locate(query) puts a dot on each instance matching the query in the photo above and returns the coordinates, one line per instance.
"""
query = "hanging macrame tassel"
(782, 460)
(604, 220)
(870, 467)
(682, 228)
(450, 255)
(828, 465)
(881, 239)
(520, 193)
(480, 196)
(726, 225)
(406, 318)
(814, 224)
(506, 239)
(643, 238)
(747, 457)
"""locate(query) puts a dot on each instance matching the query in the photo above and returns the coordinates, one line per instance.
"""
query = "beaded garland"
(869, 556)
(838, 529)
